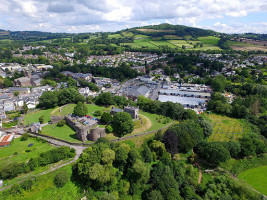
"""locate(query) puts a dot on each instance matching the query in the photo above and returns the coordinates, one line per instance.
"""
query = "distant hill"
(168, 29)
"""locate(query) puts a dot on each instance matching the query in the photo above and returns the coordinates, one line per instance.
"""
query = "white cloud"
(111, 15)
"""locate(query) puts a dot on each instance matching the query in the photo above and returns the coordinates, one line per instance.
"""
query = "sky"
(77, 16)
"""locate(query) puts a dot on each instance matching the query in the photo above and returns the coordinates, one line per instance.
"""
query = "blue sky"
(75, 16)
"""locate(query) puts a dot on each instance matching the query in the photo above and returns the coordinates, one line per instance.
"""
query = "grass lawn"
(256, 177)
(64, 132)
(127, 34)
(145, 42)
(44, 188)
(7, 153)
(132, 45)
(34, 116)
(225, 128)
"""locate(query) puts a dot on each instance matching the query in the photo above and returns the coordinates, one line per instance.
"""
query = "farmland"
(226, 128)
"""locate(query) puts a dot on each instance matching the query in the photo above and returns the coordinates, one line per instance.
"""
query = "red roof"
(5, 138)
(4, 144)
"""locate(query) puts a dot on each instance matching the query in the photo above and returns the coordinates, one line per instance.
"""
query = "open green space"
(44, 188)
(132, 45)
(114, 36)
(163, 43)
(257, 178)
(151, 122)
(209, 40)
(145, 42)
(64, 132)
(34, 116)
(238, 44)
(226, 128)
(127, 34)
(18, 151)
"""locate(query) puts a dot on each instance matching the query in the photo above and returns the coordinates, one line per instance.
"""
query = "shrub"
(24, 137)
(61, 123)
(61, 178)
(109, 129)
(98, 113)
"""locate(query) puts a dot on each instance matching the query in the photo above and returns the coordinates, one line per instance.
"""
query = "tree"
(25, 136)
(105, 99)
(41, 119)
(106, 117)
(80, 109)
(16, 93)
(155, 195)
(24, 109)
(61, 178)
(61, 123)
(234, 148)
(48, 99)
(123, 123)
(69, 95)
(188, 133)
(218, 83)
(212, 152)
(206, 126)
(109, 129)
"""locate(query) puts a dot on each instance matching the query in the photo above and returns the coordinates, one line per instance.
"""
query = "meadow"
(226, 128)
(256, 177)
(18, 151)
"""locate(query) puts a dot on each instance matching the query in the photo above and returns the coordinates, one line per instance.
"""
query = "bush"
(98, 113)
(24, 137)
(109, 129)
(106, 117)
(61, 178)
(61, 123)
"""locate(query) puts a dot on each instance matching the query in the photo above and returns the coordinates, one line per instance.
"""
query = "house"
(2, 114)
(36, 82)
(6, 139)
(35, 127)
(22, 82)
(42, 89)
(9, 105)
(84, 91)
(19, 89)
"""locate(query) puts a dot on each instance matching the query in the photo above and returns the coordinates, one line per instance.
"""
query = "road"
(154, 95)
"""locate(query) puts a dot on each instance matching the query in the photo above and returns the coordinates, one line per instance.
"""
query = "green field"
(44, 188)
(257, 178)
(127, 34)
(162, 43)
(64, 132)
(210, 40)
(145, 42)
(238, 44)
(34, 116)
(7, 154)
(226, 128)
(114, 36)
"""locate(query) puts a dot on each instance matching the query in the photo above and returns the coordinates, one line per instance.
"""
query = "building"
(35, 127)
(188, 102)
(2, 114)
(19, 89)
(22, 82)
(83, 127)
(135, 91)
(132, 111)
(6, 139)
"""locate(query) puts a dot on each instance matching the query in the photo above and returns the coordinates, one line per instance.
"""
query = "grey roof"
(182, 100)
(22, 79)
(114, 109)
(185, 93)
(12, 89)
(4, 96)
(138, 90)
